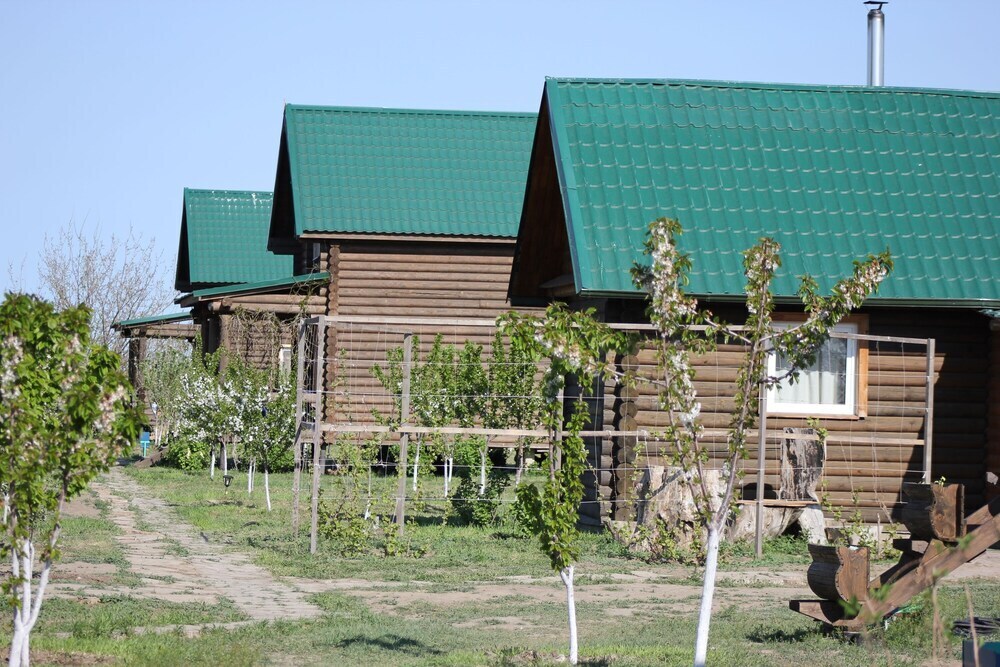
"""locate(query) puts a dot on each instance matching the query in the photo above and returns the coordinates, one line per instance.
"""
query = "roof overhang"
(432, 238)
(245, 289)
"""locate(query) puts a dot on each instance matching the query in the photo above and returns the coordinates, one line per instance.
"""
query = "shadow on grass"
(426, 520)
(391, 643)
(773, 636)
(514, 658)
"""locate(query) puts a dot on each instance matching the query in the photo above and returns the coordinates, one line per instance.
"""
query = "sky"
(109, 109)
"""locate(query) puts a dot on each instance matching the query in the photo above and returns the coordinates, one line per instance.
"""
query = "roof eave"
(246, 289)
(877, 302)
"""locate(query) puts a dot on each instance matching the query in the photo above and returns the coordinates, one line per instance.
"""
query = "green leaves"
(575, 344)
(65, 413)
(683, 329)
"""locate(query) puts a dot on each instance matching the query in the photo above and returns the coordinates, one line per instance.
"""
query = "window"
(285, 360)
(834, 385)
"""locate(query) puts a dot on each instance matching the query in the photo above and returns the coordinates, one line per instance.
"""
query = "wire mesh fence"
(464, 407)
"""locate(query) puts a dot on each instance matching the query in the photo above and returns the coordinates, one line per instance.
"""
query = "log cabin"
(411, 214)
(139, 331)
(243, 297)
(831, 172)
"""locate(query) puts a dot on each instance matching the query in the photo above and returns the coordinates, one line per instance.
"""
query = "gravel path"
(177, 563)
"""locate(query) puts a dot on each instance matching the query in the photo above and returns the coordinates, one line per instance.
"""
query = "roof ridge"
(763, 85)
(268, 193)
(426, 112)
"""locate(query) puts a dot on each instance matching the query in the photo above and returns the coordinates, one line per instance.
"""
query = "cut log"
(934, 511)
(802, 457)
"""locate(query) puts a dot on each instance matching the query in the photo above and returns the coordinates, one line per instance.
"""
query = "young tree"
(64, 418)
(205, 413)
(266, 420)
(470, 389)
(513, 397)
(575, 345)
(118, 278)
(433, 399)
(162, 377)
(675, 315)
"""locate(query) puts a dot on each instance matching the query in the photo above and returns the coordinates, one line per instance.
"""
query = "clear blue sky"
(109, 109)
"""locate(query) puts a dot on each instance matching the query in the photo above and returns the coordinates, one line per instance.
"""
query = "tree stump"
(803, 455)
(664, 495)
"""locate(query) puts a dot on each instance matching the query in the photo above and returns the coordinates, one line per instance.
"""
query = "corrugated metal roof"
(398, 171)
(831, 172)
(224, 240)
(166, 318)
(260, 286)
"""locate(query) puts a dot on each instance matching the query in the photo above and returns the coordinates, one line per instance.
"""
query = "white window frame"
(850, 406)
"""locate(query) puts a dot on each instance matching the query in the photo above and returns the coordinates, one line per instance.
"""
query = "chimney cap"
(877, 2)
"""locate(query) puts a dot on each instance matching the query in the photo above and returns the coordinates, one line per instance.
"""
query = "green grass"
(92, 540)
(448, 625)
(114, 615)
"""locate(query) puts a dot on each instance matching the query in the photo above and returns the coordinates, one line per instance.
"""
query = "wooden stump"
(934, 511)
(664, 495)
(803, 455)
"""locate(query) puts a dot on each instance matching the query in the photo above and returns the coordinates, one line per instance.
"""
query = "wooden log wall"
(993, 409)
(867, 458)
(268, 322)
(400, 279)
(254, 341)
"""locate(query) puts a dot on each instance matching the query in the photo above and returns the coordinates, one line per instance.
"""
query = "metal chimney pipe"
(876, 44)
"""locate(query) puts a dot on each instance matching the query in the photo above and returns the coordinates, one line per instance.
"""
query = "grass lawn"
(461, 596)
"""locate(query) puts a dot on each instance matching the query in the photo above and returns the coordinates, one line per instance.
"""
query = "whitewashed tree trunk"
(250, 477)
(520, 463)
(482, 466)
(567, 578)
(449, 462)
(211, 465)
(416, 465)
(29, 605)
(482, 470)
(224, 459)
(267, 485)
(707, 593)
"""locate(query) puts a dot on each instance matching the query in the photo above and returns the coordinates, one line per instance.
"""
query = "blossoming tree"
(683, 329)
(65, 417)
(575, 345)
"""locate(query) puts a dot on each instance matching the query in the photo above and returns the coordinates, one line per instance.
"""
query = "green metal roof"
(224, 240)
(167, 318)
(260, 286)
(397, 171)
(831, 172)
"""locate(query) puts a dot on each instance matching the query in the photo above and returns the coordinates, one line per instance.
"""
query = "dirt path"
(177, 563)
(174, 562)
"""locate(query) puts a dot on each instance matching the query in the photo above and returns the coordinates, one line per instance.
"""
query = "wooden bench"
(839, 574)
(954, 540)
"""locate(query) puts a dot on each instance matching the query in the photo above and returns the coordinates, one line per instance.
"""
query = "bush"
(187, 454)
(526, 511)
(350, 532)
(467, 503)
(479, 510)
(285, 461)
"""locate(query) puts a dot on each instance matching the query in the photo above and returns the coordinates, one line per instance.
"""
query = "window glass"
(828, 386)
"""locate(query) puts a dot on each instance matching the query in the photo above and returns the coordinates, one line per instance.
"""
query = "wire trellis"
(884, 441)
